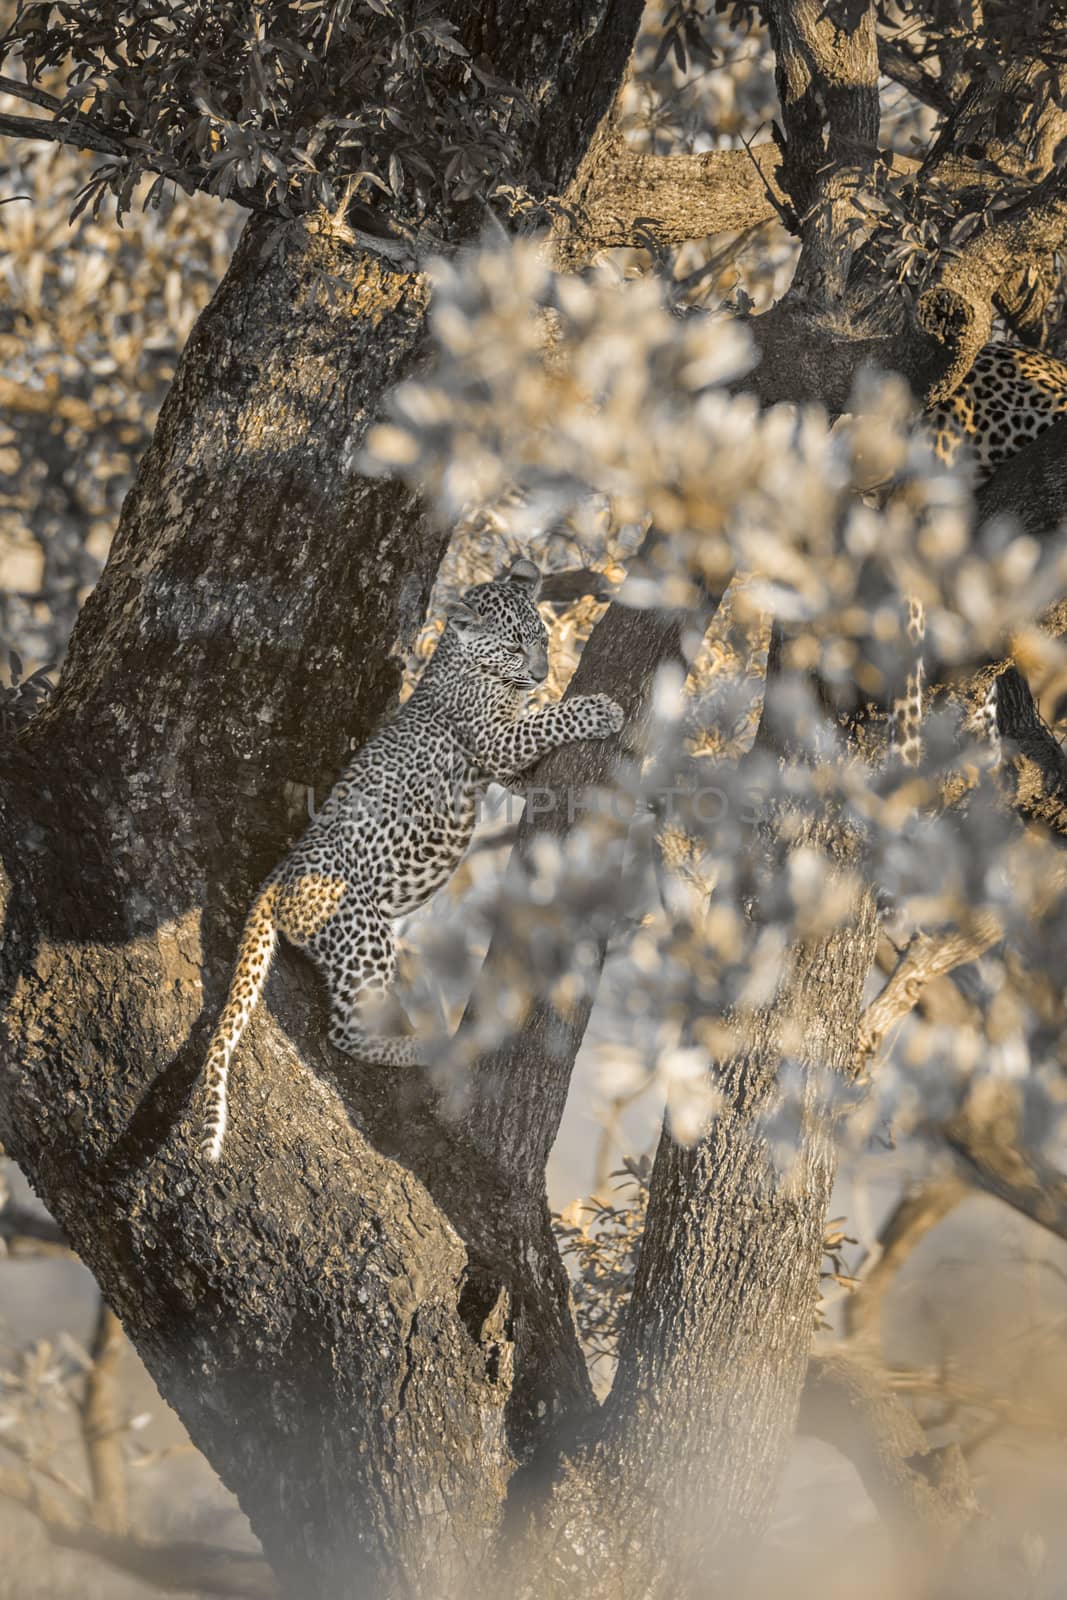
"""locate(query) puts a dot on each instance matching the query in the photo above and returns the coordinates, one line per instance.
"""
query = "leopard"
(398, 822)
(1008, 397)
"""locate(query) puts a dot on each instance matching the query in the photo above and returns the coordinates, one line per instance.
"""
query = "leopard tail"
(254, 956)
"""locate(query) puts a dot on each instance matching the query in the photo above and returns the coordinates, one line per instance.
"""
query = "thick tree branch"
(922, 1494)
(520, 1092)
(826, 68)
(1008, 125)
(958, 309)
(621, 193)
(803, 361)
(688, 1402)
(1035, 761)
(1001, 141)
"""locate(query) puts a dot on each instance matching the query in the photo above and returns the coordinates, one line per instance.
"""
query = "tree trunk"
(671, 1497)
(296, 1308)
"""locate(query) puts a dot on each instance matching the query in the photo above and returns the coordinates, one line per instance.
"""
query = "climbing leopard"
(1009, 397)
(398, 821)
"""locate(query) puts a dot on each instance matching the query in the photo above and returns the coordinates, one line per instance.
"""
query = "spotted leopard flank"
(1009, 396)
(398, 822)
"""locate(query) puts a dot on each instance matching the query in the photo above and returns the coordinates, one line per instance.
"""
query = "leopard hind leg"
(356, 954)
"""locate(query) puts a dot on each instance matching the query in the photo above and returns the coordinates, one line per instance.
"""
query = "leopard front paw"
(602, 715)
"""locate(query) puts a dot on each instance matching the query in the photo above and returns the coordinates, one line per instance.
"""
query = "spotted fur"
(980, 723)
(1009, 397)
(906, 724)
(399, 820)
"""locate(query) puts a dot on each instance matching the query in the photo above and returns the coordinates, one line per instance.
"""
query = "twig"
(101, 1424)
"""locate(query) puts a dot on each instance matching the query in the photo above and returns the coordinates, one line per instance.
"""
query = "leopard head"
(498, 627)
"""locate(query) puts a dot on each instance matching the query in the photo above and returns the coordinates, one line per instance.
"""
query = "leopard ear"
(524, 575)
(463, 617)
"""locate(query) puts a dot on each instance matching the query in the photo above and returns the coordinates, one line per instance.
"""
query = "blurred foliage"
(554, 399)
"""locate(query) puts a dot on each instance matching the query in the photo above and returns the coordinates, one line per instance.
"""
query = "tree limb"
(915, 1214)
(519, 1127)
(928, 956)
(17, 1225)
(561, 588)
(621, 191)
(826, 69)
(921, 1493)
(622, 194)
(79, 133)
(957, 310)
(984, 1137)
(898, 63)
(803, 360)
(1035, 761)
(684, 1364)
(31, 93)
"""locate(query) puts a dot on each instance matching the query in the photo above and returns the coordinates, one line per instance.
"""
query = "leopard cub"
(398, 821)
